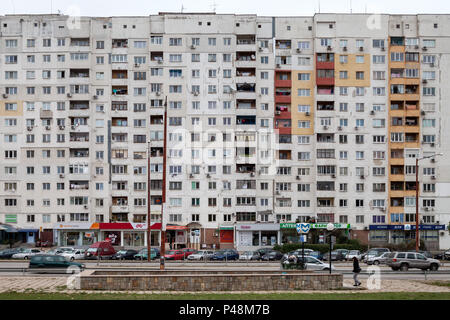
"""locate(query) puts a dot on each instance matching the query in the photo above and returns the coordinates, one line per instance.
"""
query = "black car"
(125, 255)
(272, 256)
(8, 253)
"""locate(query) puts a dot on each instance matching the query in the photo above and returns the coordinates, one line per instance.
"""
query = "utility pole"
(149, 231)
(163, 228)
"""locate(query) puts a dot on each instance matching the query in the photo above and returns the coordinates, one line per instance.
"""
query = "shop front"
(317, 234)
(255, 236)
(398, 234)
(194, 235)
(75, 234)
(128, 234)
(226, 237)
(176, 237)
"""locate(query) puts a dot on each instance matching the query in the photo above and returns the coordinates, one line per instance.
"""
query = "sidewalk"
(57, 284)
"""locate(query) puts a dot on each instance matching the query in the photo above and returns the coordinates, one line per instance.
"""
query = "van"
(102, 249)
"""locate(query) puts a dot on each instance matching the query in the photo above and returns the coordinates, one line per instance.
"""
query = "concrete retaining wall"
(209, 281)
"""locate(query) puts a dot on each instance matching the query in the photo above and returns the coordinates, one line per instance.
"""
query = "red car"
(174, 255)
(188, 251)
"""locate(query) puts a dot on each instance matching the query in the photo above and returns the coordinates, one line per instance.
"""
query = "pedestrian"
(356, 271)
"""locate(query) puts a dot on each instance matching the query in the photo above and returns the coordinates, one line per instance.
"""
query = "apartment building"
(270, 121)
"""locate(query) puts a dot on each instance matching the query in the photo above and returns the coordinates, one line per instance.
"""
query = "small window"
(237, 24)
(259, 26)
(199, 23)
(208, 23)
(124, 26)
(309, 28)
(435, 25)
(288, 27)
(397, 26)
(330, 26)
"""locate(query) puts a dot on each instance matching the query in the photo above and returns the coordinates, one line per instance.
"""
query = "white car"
(76, 254)
(201, 255)
(315, 264)
(353, 253)
(378, 259)
(26, 253)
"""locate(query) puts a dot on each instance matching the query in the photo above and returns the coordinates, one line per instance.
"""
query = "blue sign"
(409, 227)
(303, 227)
(303, 238)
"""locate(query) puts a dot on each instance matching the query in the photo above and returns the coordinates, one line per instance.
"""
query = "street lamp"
(330, 228)
(417, 196)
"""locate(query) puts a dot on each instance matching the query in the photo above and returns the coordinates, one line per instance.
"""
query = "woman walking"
(356, 271)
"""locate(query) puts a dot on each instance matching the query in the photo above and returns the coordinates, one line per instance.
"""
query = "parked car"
(307, 251)
(272, 256)
(125, 254)
(344, 252)
(54, 252)
(174, 255)
(225, 254)
(143, 254)
(425, 253)
(188, 251)
(26, 253)
(409, 260)
(445, 255)
(335, 256)
(201, 255)
(45, 244)
(353, 253)
(263, 251)
(316, 254)
(376, 260)
(250, 255)
(313, 263)
(53, 264)
(76, 254)
(8, 253)
(101, 249)
(374, 252)
(66, 249)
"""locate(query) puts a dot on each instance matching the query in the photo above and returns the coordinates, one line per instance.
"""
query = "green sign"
(315, 226)
(11, 218)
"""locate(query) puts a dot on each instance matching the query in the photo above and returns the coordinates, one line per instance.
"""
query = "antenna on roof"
(214, 6)
(182, 8)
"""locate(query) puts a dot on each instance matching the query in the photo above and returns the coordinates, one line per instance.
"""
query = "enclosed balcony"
(119, 217)
(119, 90)
(79, 42)
(325, 106)
(79, 105)
(79, 137)
(79, 153)
(119, 74)
(283, 44)
(245, 56)
(246, 120)
(119, 201)
(157, 120)
(156, 152)
(325, 77)
(79, 185)
(245, 104)
(284, 154)
(245, 168)
(119, 106)
(120, 43)
(119, 122)
(157, 56)
(79, 73)
(325, 186)
(282, 95)
(325, 138)
(245, 39)
(283, 79)
(397, 41)
(284, 138)
(325, 61)
(246, 72)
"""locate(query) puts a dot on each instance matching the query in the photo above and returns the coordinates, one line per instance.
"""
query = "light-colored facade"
(270, 120)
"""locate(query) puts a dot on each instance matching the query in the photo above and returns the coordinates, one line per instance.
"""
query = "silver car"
(378, 259)
(408, 260)
(201, 255)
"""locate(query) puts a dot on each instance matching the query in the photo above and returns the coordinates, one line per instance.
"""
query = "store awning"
(29, 230)
(226, 228)
(8, 228)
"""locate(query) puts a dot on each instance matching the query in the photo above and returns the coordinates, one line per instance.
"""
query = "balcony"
(45, 114)
(283, 95)
(245, 168)
(79, 137)
(325, 77)
(244, 75)
(246, 42)
(119, 43)
(246, 120)
(79, 153)
(79, 185)
(119, 90)
(245, 59)
(283, 111)
(283, 125)
(157, 57)
(79, 74)
(283, 44)
(325, 106)
(325, 61)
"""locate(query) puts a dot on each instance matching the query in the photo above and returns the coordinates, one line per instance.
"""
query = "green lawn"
(223, 296)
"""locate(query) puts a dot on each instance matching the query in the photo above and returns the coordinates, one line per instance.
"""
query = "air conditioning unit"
(158, 93)
(95, 97)
(47, 127)
(325, 127)
(160, 61)
(307, 114)
(299, 50)
(193, 46)
(329, 48)
(297, 177)
(252, 174)
(216, 234)
(208, 175)
(422, 112)
(416, 47)
(424, 81)
(277, 113)
(426, 209)
(433, 160)
(195, 93)
(333, 176)
(191, 176)
(5, 95)
(432, 144)
(137, 65)
(85, 207)
(69, 95)
(383, 208)
(260, 49)
(362, 177)
(29, 128)
(61, 175)
(361, 48)
(277, 193)
(356, 128)
(339, 128)
(62, 127)
(372, 112)
(345, 48)
(424, 48)
(278, 65)
(72, 127)
(432, 65)
(383, 49)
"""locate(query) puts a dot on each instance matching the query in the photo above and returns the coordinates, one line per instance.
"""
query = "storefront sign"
(128, 226)
(315, 226)
(10, 218)
(258, 226)
(76, 226)
(406, 228)
(303, 227)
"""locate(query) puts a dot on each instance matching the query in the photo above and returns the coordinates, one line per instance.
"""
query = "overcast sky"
(107, 8)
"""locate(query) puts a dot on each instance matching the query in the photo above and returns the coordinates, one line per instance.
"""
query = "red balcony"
(325, 81)
(283, 83)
